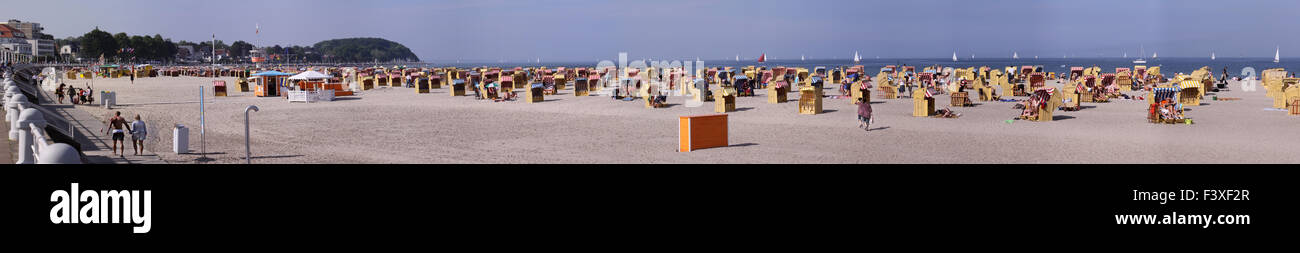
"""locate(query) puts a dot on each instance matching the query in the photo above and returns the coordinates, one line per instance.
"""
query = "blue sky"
(590, 30)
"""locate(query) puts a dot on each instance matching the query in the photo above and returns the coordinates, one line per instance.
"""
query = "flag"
(258, 28)
(927, 93)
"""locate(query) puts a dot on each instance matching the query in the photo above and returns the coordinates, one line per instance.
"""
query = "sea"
(1168, 66)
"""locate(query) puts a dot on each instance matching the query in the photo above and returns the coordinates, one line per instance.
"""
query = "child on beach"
(864, 116)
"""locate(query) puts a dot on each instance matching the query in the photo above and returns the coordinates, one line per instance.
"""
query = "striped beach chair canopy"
(1162, 93)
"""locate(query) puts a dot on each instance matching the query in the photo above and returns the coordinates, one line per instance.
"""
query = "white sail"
(1140, 54)
(1125, 55)
(737, 57)
(858, 58)
(1015, 55)
(801, 58)
(1277, 55)
(1212, 56)
(1155, 55)
(954, 56)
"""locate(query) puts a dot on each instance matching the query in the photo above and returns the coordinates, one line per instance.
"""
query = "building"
(35, 37)
(14, 40)
(185, 52)
(42, 47)
(32, 30)
(67, 50)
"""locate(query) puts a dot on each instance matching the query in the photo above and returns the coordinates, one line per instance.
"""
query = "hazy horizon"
(583, 30)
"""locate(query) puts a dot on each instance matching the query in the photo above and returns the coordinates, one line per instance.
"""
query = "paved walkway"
(96, 146)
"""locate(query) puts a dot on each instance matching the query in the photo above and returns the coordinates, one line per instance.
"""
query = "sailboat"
(1212, 56)
(1155, 55)
(737, 58)
(1015, 55)
(857, 58)
(762, 58)
(1277, 55)
(1140, 54)
(954, 56)
(1125, 55)
(801, 58)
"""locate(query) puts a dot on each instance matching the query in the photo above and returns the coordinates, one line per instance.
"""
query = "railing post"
(59, 153)
(12, 110)
(30, 118)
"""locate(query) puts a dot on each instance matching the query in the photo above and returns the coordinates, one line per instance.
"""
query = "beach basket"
(724, 100)
(435, 81)
(218, 88)
(580, 87)
(457, 88)
(776, 93)
(960, 99)
(422, 85)
(809, 102)
(921, 105)
(534, 93)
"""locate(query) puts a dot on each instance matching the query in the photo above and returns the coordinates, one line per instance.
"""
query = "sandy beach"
(396, 125)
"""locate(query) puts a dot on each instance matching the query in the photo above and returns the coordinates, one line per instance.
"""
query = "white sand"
(396, 125)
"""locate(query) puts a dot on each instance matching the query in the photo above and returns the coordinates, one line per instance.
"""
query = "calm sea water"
(1058, 65)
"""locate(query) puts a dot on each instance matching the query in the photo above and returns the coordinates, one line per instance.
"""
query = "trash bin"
(107, 99)
(180, 139)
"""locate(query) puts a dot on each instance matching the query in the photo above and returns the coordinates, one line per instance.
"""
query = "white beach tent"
(309, 75)
(305, 96)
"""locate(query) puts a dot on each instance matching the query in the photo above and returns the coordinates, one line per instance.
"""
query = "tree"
(123, 41)
(240, 48)
(96, 43)
(364, 50)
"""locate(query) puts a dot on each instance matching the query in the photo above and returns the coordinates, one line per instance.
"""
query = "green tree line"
(122, 46)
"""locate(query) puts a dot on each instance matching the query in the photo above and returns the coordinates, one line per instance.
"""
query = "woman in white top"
(138, 135)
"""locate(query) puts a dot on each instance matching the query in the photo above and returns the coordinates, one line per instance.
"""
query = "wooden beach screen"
(701, 132)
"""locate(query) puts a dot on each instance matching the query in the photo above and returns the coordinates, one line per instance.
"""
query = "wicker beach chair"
(809, 102)
(724, 100)
(777, 86)
(922, 106)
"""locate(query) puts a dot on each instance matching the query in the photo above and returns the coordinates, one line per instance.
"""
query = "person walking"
(116, 125)
(59, 92)
(864, 116)
(138, 134)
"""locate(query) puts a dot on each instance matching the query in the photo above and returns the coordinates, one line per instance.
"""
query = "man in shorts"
(116, 125)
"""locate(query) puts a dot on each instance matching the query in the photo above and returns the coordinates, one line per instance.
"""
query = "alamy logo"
(89, 207)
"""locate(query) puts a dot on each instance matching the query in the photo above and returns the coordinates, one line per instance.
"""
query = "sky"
(592, 30)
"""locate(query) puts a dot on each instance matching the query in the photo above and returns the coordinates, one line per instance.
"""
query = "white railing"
(27, 126)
